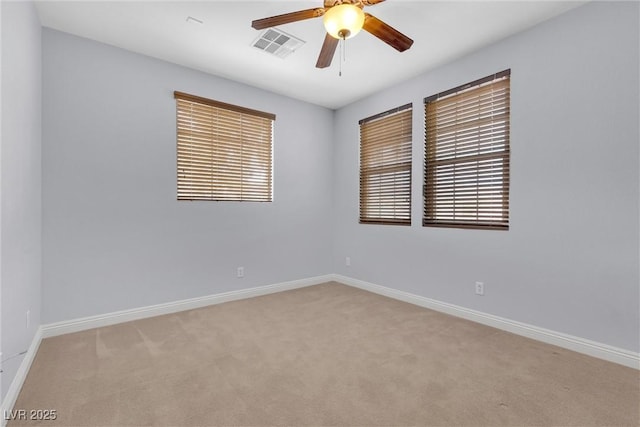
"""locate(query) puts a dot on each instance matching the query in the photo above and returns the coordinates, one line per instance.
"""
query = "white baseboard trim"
(107, 319)
(16, 385)
(580, 345)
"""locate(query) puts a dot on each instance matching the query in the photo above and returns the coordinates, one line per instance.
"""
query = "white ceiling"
(441, 30)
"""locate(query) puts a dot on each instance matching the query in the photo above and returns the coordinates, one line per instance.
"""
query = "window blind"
(224, 152)
(385, 167)
(467, 155)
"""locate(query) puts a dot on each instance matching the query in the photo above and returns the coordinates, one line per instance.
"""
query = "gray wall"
(20, 182)
(114, 236)
(570, 259)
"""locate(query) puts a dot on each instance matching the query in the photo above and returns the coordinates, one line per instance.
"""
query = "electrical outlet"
(28, 320)
(347, 261)
(240, 272)
(479, 288)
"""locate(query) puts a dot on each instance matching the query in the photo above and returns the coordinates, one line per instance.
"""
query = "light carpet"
(328, 355)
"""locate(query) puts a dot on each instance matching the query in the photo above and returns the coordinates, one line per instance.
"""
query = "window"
(466, 178)
(385, 167)
(224, 151)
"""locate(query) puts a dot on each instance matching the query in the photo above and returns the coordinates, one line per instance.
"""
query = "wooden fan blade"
(386, 33)
(272, 21)
(327, 51)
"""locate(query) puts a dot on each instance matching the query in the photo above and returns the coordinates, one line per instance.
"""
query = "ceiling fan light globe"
(343, 21)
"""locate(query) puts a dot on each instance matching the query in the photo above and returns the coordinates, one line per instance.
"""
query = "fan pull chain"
(343, 53)
(341, 56)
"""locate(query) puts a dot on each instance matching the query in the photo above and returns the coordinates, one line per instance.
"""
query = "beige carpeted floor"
(323, 355)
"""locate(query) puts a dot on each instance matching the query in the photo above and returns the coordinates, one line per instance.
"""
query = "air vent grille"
(278, 43)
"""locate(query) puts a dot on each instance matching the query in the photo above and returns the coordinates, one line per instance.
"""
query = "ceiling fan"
(343, 19)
